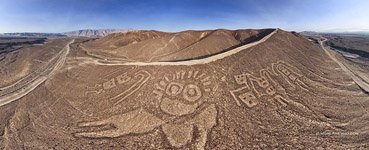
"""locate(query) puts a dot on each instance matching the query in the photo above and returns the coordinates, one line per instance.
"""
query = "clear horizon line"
(333, 30)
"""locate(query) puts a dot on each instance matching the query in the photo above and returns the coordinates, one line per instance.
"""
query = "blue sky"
(177, 15)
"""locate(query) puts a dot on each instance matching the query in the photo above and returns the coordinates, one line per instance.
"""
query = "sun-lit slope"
(319, 88)
(117, 40)
(209, 43)
(24, 60)
(160, 46)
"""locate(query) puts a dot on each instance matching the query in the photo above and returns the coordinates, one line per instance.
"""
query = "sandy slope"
(32, 83)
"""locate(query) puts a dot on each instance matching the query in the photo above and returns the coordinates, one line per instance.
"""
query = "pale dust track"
(24, 90)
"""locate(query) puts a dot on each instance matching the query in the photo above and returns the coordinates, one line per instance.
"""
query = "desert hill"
(214, 89)
(23, 57)
(161, 46)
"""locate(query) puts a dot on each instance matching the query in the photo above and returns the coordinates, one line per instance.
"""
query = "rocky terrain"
(21, 57)
(358, 44)
(14, 42)
(151, 46)
(213, 89)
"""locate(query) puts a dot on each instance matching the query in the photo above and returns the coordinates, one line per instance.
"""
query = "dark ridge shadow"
(365, 92)
(10, 42)
(349, 50)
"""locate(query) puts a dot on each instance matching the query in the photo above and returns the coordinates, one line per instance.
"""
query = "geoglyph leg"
(204, 122)
(179, 134)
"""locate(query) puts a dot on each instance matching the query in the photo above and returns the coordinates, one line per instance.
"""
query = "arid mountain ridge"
(151, 45)
(94, 33)
(77, 33)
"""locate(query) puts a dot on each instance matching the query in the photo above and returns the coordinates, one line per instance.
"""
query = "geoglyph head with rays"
(182, 92)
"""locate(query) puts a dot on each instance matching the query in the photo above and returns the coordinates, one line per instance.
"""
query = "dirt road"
(27, 84)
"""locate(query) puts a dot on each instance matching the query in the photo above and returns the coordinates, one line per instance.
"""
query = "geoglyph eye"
(191, 93)
(182, 92)
(173, 89)
(185, 87)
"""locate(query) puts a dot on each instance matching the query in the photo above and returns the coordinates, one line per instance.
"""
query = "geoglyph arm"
(137, 121)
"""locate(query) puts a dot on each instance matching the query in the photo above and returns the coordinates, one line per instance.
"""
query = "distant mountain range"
(78, 33)
(365, 33)
(29, 34)
(94, 33)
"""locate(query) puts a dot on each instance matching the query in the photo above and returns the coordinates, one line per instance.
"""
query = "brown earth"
(20, 60)
(151, 46)
(277, 90)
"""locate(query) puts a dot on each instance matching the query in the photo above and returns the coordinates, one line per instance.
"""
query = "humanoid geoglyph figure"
(184, 95)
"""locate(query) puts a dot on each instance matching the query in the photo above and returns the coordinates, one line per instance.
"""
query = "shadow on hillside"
(349, 50)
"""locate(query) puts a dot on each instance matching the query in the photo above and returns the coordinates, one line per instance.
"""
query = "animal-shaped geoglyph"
(255, 87)
(130, 82)
(285, 70)
(181, 94)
